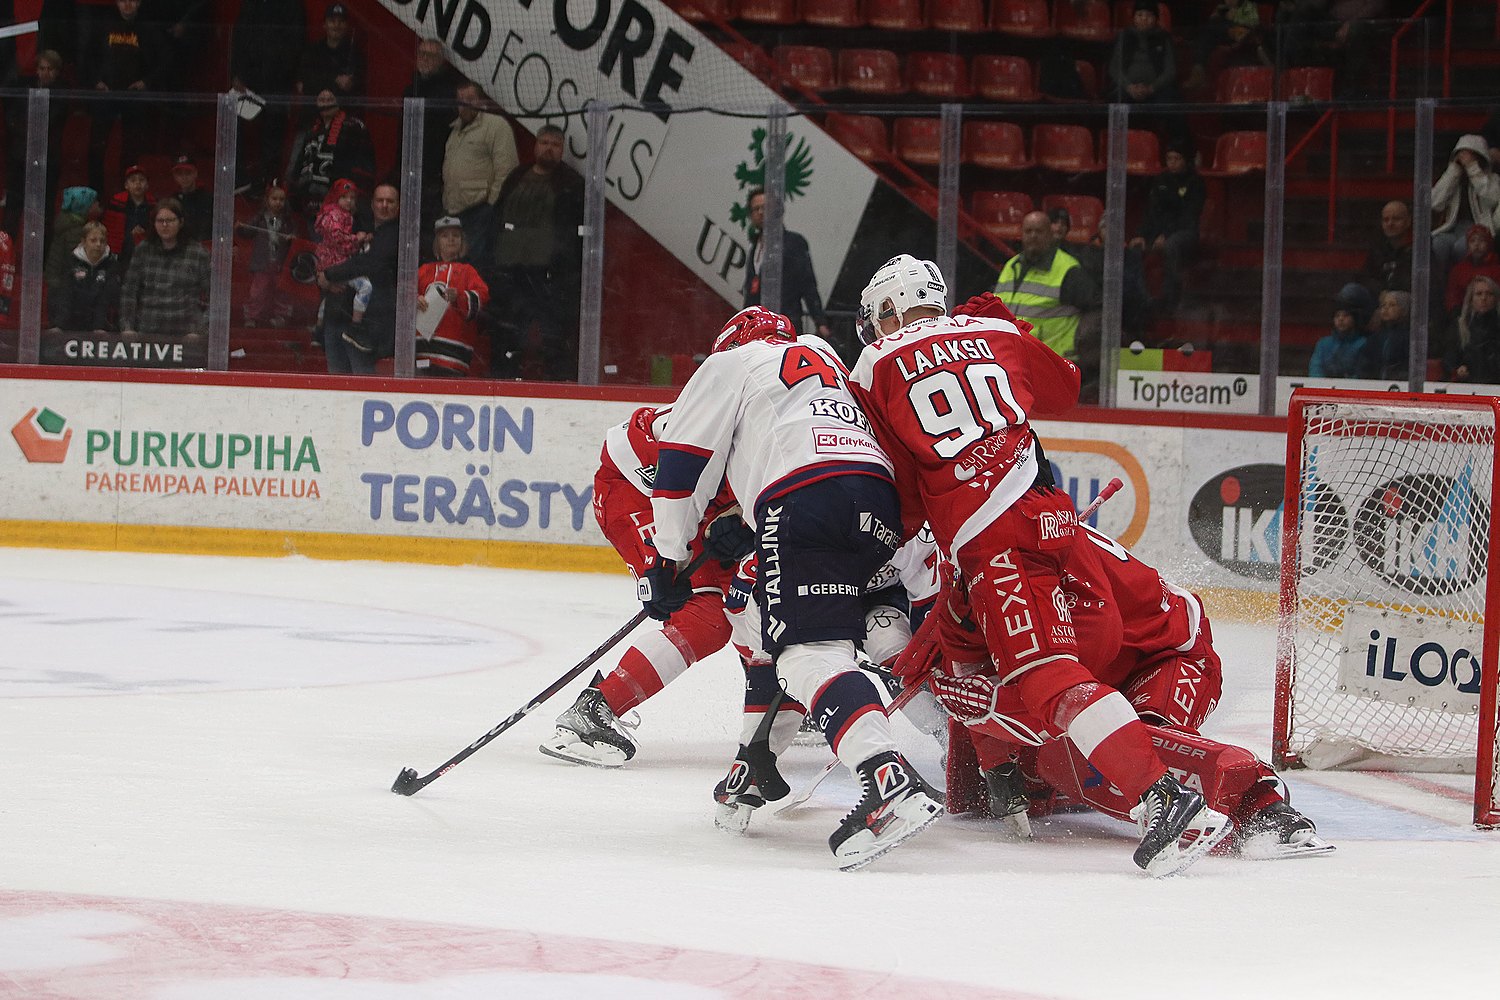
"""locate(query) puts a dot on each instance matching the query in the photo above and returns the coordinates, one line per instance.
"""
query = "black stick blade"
(406, 782)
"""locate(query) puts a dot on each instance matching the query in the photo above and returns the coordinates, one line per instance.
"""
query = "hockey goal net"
(1383, 660)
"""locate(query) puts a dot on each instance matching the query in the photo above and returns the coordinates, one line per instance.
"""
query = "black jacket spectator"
(336, 146)
(436, 83)
(267, 45)
(1143, 58)
(1174, 204)
(378, 263)
(124, 52)
(87, 294)
(323, 63)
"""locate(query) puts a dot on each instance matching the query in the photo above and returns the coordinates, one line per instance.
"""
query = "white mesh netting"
(1386, 623)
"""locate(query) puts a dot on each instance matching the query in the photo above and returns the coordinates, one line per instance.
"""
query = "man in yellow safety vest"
(1045, 286)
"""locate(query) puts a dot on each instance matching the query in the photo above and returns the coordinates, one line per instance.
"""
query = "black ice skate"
(1006, 790)
(1177, 827)
(752, 781)
(897, 805)
(588, 733)
(1278, 831)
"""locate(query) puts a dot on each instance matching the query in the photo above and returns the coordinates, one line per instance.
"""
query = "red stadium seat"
(1125, 14)
(871, 71)
(807, 66)
(1001, 212)
(1091, 24)
(1004, 78)
(1065, 148)
(1307, 83)
(862, 135)
(919, 140)
(1084, 210)
(956, 15)
(752, 57)
(1089, 76)
(995, 146)
(1238, 153)
(894, 15)
(938, 74)
(704, 10)
(769, 11)
(1142, 153)
(1245, 85)
(1025, 18)
(832, 13)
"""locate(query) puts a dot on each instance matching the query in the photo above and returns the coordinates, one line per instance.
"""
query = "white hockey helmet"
(902, 283)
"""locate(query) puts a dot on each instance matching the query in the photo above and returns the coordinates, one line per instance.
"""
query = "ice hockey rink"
(199, 753)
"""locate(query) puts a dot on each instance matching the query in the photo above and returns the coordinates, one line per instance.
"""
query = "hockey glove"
(989, 306)
(661, 589)
(728, 538)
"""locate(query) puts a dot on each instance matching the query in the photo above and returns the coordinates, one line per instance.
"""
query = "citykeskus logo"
(43, 435)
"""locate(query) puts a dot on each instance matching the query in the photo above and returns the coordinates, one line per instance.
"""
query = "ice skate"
(588, 733)
(752, 781)
(808, 734)
(1278, 832)
(897, 805)
(1006, 790)
(1177, 827)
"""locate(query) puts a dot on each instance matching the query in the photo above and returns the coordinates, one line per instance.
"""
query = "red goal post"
(1383, 660)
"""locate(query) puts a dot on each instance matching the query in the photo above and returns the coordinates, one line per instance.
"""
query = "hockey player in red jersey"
(951, 399)
(1142, 635)
(775, 418)
(592, 730)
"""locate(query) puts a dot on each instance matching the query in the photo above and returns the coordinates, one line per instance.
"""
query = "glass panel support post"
(409, 235)
(1112, 319)
(591, 288)
(950, 153)
(1421, 246)
(221, 249)
(773, 229)
(1272, 251)
(33, 226)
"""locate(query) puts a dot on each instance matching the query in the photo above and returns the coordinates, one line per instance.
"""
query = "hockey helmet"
(753, 323)
(902, 283)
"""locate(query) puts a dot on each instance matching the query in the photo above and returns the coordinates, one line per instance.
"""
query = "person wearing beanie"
(1143, 65)
(1467, 194)
(1338, 354)
(1174, 207)
(1481, 259)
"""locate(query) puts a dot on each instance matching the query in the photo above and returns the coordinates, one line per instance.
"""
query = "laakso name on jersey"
(943, 352)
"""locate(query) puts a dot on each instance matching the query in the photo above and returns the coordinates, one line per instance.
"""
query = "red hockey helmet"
(753, 323)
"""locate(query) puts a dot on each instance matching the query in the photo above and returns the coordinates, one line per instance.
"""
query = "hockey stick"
(409, 783)
(910, 691)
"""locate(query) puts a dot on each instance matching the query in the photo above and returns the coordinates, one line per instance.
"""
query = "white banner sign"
(1204, 392)
(1410, 659)
(682, 175)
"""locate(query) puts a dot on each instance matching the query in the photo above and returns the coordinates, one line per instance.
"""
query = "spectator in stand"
(1481, 259)
(1143, 67)
(479, 156)
(378, 263)
(1387, 347)
(335, 147)
(539, 261)
(1174, 208)
(1338, 354)
(183, 27)
(333, 62)
(85, 299)
(263, 59)
(1062, 224)
(337, 242)
(1058, 78)
(1388, 264)
(49, 66)
(126, 56)
(127, 216)
(1474, 353)
(80, 205)
(270, 232)
(449, 350)
(799, 283)
(197, 202)
(1135, 303)
(1045, 286)
(437, 84)
(165, 293)
(9, 308)
(1235, 26)
(1467, 194)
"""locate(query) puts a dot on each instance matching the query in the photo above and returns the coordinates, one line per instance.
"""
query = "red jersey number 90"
(961, 407)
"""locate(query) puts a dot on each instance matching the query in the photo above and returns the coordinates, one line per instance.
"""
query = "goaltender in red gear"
(1138, 633)
(950, 399)
(591, 731)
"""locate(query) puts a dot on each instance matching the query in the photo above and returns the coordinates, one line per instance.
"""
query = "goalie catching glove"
(660, 588)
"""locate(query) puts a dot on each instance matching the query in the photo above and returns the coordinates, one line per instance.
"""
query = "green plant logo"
(752, 174)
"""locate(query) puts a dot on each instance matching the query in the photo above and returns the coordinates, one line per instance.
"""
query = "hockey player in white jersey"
(775, 417)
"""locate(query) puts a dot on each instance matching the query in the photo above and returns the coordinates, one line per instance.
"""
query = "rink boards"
(501, 473)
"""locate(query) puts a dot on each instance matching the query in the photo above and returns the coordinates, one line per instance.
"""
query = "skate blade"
(606, 757)
(927, 814)
(732, 817)
(1261, 849)
(1016, 827)
(1174, 858)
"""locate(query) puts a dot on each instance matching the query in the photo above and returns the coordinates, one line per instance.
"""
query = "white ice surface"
(196, 804)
